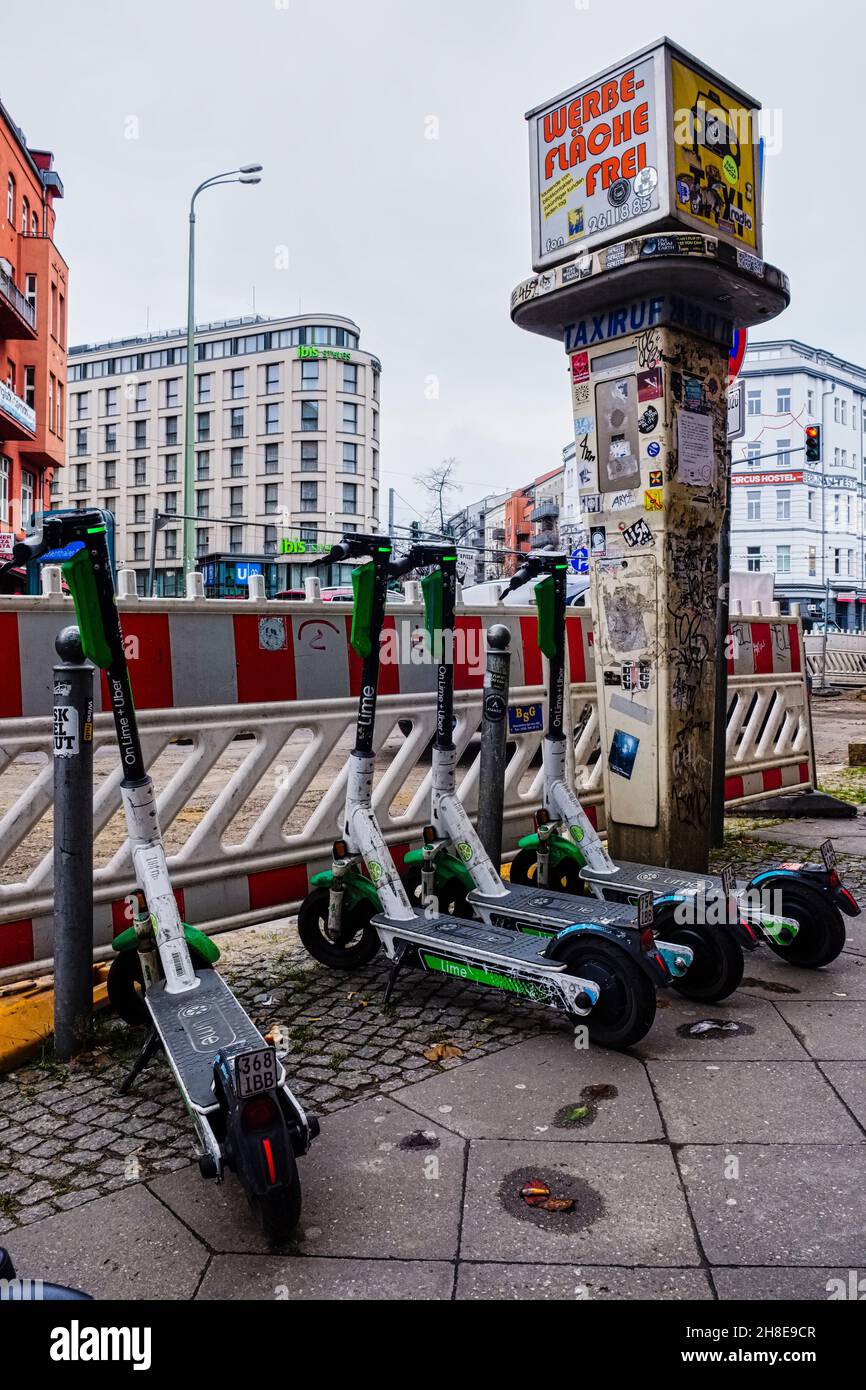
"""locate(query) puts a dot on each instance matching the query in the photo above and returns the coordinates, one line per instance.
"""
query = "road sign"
(580, 560)
(736, 411)
(525, 719)
(738, 352)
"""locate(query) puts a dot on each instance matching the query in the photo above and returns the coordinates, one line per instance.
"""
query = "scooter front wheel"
(451, 900)
(358, 942)
(717, 968)
(821, 927)
(126, 985)
(564, 874)
(626, 1005)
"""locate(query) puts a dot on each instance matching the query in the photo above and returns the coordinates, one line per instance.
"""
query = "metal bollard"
(491, 773)
(73, 846)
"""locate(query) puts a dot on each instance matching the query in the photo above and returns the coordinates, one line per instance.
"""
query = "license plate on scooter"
(256, 1072)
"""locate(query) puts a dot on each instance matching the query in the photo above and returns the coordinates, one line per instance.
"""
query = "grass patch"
(849, 785)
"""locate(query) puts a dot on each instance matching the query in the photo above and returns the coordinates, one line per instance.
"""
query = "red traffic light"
(813, 443)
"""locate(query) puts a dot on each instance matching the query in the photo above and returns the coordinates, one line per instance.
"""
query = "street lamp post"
(247, 173)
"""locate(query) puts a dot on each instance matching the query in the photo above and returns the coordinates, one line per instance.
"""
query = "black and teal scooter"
(233, 1084)
(796, 909)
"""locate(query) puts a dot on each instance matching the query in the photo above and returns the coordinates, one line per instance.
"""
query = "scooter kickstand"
(151, 1047)
(396, 966)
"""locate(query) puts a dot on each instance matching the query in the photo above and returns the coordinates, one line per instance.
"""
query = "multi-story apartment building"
(469, 527)
(802, 521)
(33, 300)
(494, 538)
(286, 445)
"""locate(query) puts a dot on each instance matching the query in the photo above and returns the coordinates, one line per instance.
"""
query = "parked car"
(293, 594)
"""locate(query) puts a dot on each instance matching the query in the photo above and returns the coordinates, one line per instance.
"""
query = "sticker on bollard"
(494, 706)
(66, 733)
(525, 719)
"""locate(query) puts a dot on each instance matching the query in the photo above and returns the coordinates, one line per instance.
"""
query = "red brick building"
(33, 305)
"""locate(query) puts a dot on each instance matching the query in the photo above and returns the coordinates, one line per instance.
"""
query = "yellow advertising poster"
(714, 156)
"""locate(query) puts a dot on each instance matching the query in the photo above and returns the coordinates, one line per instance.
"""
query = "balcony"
(17, 314)
(544, 510)
(17, 418)
(545, 540)
(498, 533)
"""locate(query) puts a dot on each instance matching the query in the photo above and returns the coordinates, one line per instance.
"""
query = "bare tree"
(439, 483)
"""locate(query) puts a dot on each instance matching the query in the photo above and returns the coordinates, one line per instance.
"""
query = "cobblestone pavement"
(67, 1137)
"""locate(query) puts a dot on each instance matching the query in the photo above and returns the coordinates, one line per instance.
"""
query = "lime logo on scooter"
(576, 833)
(464, 851)
(461, 970)
(374, 868)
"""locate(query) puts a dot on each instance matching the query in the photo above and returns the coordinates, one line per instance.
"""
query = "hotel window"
(202, 502)
(783, 504)
(272, 458)
(309, 535)
(81, 442)
(812, 561)
(236, 421)
(375, 385)
(837, 561)
(849, 560)
(172, 393)
(236, 501)
(139, 472)
(237, 387)
(139, 502)
(753, 454)
(837, 508)
(28, 492)
(309, 455)
(783, 454)
(350, 498)
(110, 475)
(375, 463)
(309, 497)
(140, 396)
(350, 458)
(309, 374)
(82, 405)
(810, 402)
(837, 409)
(30, 387)
(753, 504)
(170, 504)
(138, 545)
(204, 388)
(202, 540)
(270, 540)
(350, 418)
(236, 540)
(350, 378)
(202, 427)
(236, 462)
(848, 510)
(375, 424)
(171, 468)
(272, 378)
(309, 415)
(753, 559)
(272, 419)
(170, 429)
(170, 550)
(109, 504)
(272, 503)
(10, 201)
(753, 402)
(783, 559)
(202, 466)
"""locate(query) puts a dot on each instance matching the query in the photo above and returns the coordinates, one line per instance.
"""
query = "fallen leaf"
(440, 1052)
(558, 1204)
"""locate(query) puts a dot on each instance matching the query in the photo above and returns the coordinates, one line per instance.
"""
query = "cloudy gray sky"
(420, 240)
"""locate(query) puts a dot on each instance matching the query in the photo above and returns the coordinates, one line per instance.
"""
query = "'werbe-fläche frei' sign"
(658, 141)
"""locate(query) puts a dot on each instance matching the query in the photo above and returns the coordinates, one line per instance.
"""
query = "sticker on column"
(656, 478)
(597, 541)
(638, 534)
(623, 752)
(66, 742)
(648, 420)
(590, 502)
(696, 457)
(649, 385)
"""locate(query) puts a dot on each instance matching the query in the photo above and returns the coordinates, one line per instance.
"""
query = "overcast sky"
(419, 240)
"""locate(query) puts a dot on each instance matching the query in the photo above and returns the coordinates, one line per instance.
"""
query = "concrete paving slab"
(373, 1185)
(849, 836)
(542, 1089)
(767, 977)
(629, 1206)
(783, 1285)
(829, 1031)
(849, 1079)
(289, 1280)
(750, 1103)
(791, 1204)
(124, 1246)
(763, 1033)
(578, 1283)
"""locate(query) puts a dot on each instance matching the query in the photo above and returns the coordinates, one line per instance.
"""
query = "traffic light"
(415, 530)
(813, 443)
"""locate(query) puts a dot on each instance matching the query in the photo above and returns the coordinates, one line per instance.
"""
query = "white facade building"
(286, 442)
(802, 521)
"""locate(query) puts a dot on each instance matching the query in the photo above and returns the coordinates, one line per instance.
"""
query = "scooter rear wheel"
(453, 901)
(626, 1006)
(126, 985)
(359, 942)
(564, 876)
(821, 934)
(717, 968)
(279, 1211)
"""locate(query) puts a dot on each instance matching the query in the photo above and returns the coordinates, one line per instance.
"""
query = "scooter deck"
(544, 907)
(631, 877)
(473, 941)
(192, 1028)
